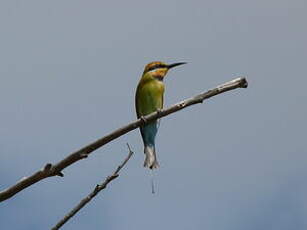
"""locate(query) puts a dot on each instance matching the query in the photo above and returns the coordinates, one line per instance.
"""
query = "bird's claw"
(143, 119)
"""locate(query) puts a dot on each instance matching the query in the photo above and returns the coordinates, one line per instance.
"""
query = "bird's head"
(159, 69)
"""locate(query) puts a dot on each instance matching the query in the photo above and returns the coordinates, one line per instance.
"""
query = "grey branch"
(96, 190)
(56, 170)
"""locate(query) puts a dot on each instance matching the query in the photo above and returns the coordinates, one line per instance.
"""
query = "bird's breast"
(150, 97)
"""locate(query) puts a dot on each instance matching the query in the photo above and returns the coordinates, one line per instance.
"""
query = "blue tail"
(149, 133)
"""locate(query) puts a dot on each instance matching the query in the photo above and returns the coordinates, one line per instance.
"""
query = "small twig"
(96, 190)
(56, 169)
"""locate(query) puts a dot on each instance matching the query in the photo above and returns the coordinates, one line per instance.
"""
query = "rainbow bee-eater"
(149, 99)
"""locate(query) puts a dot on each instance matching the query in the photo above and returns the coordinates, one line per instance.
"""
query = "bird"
(148, 99)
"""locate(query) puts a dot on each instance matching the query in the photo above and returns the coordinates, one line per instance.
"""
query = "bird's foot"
(143, 119)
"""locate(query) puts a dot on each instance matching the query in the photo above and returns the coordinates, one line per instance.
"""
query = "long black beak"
(175, 64)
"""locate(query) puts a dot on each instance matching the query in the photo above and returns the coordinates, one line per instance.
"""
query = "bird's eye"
(156, 67)
(151, 68)
(159, 66)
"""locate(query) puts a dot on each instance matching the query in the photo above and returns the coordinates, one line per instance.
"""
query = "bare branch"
(96, 190)
(56, 169)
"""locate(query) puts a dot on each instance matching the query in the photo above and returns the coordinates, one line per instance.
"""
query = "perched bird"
(149, 99)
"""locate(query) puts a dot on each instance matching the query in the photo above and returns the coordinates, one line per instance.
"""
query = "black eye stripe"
(156, 67)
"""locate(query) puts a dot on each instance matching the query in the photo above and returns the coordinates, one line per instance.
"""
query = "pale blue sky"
(68, 72)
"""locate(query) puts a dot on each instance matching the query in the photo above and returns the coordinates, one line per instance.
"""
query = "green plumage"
(149, 95)
(149, 99)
